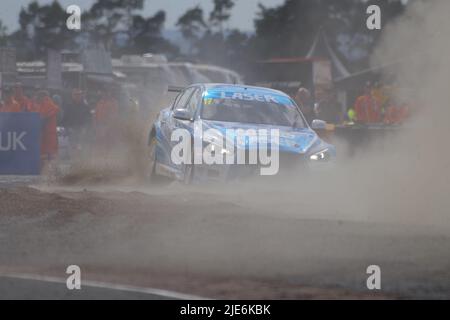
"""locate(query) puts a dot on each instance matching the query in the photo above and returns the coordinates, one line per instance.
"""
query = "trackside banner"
(20, 143)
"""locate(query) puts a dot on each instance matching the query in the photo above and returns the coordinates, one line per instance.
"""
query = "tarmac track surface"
(194, 242)
(31, 287)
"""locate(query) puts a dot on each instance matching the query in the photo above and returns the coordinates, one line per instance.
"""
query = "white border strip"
(105, 285)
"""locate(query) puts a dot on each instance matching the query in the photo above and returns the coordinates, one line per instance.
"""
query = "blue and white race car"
(223, 132)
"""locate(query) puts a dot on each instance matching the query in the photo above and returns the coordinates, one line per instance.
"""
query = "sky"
(242, 15)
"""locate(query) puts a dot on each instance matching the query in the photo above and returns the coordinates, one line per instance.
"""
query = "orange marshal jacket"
(367, 109)
(11, 105)
(48, 111)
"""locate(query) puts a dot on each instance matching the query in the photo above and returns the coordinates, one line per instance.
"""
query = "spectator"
(9, 103)
(106, 115)
(57, 99)
(327, 106)
(351, 115)
(381, 94)
(24, 102)
(396, 114)
(367, 107)
(77, 117)
(48, 110)
(304, 101)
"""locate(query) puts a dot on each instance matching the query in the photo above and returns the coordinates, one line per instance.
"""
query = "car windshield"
(251, 108)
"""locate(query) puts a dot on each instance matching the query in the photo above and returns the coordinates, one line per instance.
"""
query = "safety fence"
(20, 137)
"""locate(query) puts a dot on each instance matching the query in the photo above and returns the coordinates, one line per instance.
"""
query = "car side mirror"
(318, 125)
(182, 114)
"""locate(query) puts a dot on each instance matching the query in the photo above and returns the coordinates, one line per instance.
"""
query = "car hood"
(293, 140)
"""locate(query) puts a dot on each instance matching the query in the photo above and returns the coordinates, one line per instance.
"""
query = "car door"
(181, 103)
(170, 123)
(194, 101)
(191, 107)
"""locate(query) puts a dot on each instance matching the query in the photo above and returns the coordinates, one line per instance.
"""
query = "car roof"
(239, 88)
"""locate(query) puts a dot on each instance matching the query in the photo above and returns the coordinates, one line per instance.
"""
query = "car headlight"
(323, 155)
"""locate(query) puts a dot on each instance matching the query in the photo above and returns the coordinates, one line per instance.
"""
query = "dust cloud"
(386, 205)
(413, 177)
(403, 178)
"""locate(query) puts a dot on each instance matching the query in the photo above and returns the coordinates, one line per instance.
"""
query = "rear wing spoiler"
(175, 89)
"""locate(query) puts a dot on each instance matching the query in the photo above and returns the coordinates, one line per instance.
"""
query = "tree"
(289, 29)
(238, 50)
(220, 13)
(206, 42)
(107, 19)
(192, 26)
(114, 23)
(41, 28)
(118, 26)
(145, 36)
